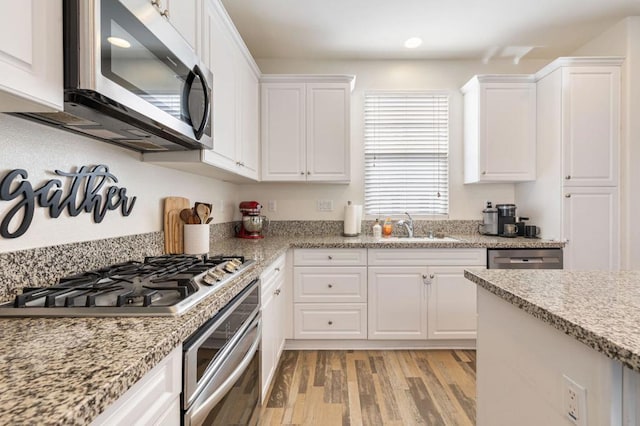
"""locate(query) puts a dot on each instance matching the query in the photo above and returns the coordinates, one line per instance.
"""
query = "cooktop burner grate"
(159, 285)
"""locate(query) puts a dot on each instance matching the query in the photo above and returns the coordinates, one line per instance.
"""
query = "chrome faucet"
(408, 224)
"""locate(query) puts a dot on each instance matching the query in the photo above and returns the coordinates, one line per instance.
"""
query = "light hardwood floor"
(408, 387)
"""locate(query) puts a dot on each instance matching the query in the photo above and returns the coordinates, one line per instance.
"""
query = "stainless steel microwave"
(131, 79)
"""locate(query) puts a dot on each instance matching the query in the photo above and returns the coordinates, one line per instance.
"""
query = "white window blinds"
(406, 144)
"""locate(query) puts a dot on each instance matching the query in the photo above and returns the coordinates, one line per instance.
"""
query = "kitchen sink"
(419, 239)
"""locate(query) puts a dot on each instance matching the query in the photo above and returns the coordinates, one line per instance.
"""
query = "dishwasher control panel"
(540, 258)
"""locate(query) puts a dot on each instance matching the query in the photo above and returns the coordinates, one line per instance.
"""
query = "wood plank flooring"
(408, 387)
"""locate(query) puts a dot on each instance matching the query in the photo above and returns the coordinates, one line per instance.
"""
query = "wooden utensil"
(172, 224)
(185, 215)
(203, 212)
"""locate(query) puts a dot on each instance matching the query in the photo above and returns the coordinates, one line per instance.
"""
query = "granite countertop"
(600, 309)
(69, 370)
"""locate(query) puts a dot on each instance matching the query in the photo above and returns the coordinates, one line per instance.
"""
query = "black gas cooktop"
(157, 286)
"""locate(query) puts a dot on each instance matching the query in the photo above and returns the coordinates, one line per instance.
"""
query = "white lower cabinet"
(417, 294)
(398, 302)
(451, 304)
(330, 294)
(385, 294)
(153, 400)
(273, 306)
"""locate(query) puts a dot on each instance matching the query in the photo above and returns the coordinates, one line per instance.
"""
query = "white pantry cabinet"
(499, 128)
(153, 400)
(417, 294)
(305, 128)
(235, 108)
(330, 294)
(31, 56)
(273, 306)
(576, 197)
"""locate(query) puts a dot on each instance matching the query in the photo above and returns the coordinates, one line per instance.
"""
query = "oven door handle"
(202, 410)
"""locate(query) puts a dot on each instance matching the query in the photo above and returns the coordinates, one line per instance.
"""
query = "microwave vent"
(144, 145)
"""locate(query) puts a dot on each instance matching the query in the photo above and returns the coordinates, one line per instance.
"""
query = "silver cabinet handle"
(567, 177)
(302, 173)
(330, 286)
(277, 292)
(308, 173)
(277, 269)
(330, 257)
(165, 13)
(567, 195)
(330, 323)
(156, 3)
(484, 173)
(432, 276)
(424, 276)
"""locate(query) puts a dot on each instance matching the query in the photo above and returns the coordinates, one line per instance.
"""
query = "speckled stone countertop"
(600, 309)
(69, 370)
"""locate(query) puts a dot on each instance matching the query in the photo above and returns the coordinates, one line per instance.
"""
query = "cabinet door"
(31, 56)
(328, 134)
(222, 61)
(452, 304)
(397, 303)
(183, 16)
(281, 309)
(507, 147)
(248, 120)
(591, 123)
(591, 228)
(283, 132)
(268, 343)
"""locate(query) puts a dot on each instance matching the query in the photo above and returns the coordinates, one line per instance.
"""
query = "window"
(406, 149)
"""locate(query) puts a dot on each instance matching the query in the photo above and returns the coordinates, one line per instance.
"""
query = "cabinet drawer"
(324, 321)
(272, 274)
(330, 257)
(427, 257)
(322, 284)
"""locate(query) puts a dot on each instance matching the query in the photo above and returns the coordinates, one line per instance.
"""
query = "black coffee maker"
(506, 214)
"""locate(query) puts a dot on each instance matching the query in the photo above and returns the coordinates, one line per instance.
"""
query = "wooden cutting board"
(173, 226)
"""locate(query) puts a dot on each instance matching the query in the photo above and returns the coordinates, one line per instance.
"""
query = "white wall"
(623, 39)
(298, 201)
(40, 150)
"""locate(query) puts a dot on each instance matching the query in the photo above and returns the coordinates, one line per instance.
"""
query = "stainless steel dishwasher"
(541, 258)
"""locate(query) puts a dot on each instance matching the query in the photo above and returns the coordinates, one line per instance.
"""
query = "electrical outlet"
(325, 205)
(271, 205)
(575, 401)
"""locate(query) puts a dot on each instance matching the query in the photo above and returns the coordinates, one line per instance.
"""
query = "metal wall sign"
(88, 192)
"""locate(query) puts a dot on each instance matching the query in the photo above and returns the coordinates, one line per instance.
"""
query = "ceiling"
(450, 29)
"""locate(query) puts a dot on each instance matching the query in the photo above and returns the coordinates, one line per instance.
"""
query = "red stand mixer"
(253, 224)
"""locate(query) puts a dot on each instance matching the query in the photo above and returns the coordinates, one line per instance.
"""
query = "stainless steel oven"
(221, 371)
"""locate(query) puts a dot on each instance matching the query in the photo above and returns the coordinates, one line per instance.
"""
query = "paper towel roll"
(352, 219)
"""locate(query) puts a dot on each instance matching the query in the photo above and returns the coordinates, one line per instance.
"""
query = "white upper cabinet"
(235, 95)
(590, 125)
(184, 16)
(31, 56)
(283, 132)
(305, 128)
(499, 128)
(236, 103)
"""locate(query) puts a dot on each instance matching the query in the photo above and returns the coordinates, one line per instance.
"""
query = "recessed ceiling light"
(413, 42)
(119, 42)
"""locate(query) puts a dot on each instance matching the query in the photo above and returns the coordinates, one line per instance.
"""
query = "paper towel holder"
(352, 220)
